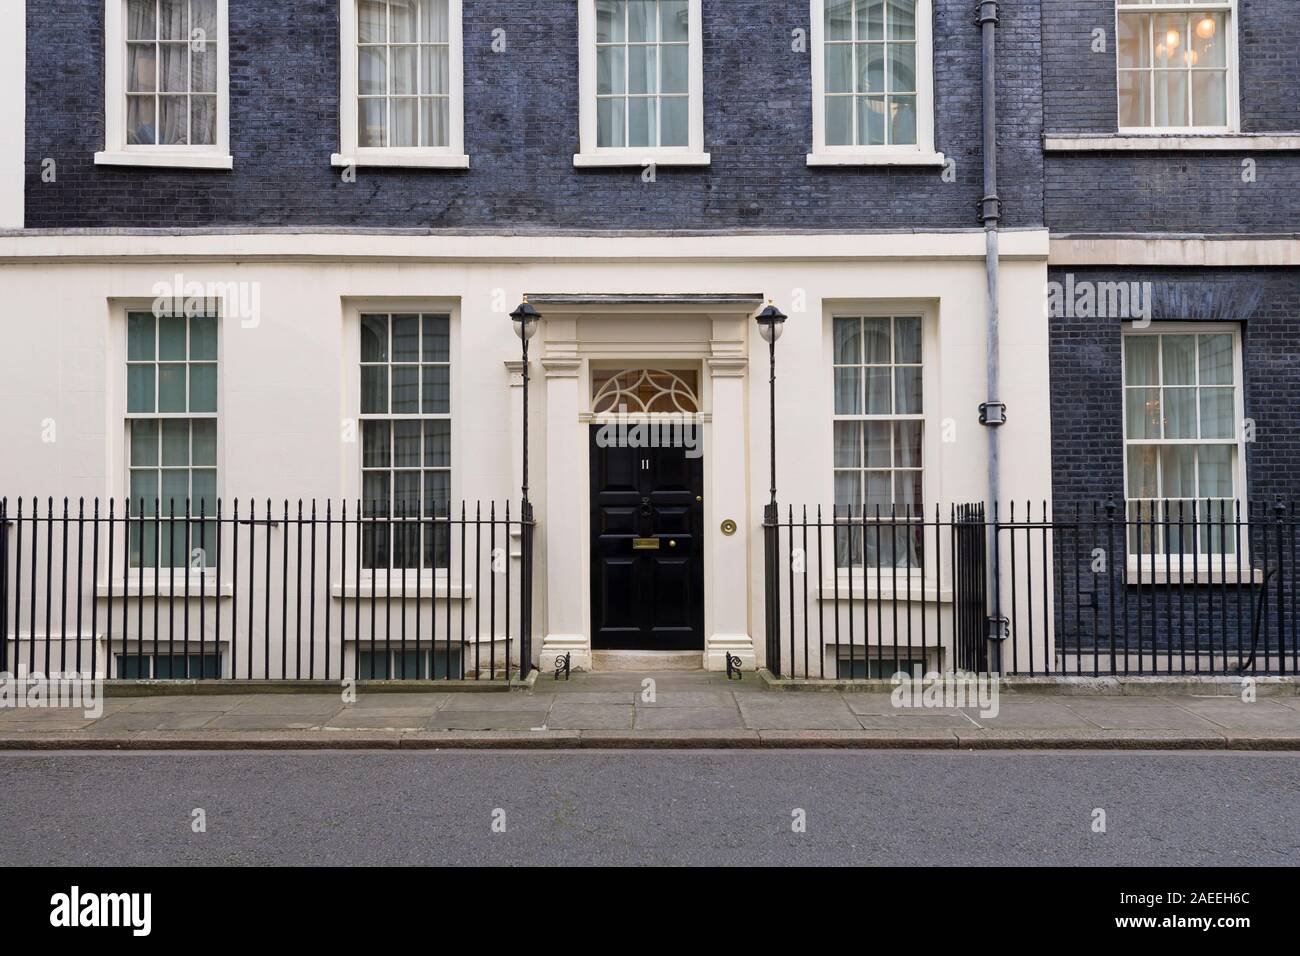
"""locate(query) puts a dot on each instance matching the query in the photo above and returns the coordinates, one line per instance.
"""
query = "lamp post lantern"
(771, 321)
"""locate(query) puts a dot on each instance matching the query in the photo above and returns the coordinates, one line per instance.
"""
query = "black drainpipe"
(992, 411)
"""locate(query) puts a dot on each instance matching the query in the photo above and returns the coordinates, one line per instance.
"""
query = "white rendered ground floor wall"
(289, 381)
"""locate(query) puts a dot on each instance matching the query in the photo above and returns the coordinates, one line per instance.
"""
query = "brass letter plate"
(645, 544)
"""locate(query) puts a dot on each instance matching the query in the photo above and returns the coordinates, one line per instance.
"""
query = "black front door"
(647, 566)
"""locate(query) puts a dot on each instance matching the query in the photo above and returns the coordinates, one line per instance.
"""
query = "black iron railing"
(867, 594)
(1168, 587)
(302, 591)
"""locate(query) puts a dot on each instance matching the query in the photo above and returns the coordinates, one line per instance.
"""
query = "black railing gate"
(970, 599)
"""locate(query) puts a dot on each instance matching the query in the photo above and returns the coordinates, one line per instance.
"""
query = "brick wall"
(1169, 192)
(1087, 410)
(522, 131)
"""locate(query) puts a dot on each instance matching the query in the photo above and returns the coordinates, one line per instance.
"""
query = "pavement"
(662, 710)
(700, 807)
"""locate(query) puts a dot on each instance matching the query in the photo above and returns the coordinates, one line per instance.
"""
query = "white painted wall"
(13, 107)
(288, 382)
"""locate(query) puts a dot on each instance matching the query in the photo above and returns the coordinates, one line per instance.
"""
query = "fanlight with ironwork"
(644, 391)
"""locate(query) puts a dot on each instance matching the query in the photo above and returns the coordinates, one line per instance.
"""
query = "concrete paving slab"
(156, 720)
(259, 740)
(597, 697)
(359, 720)
(290, 704)
(399, 703)
(47, 726)
(1135, 714)
(688, 698)
(869, 703)
(1266, 713)
(282, 722)
(425, 706)
(916, 720)
(688, 718)
(187, 703)
(31, 715)
(506, 703)
(106, 706)
(565, 716)
(1036, 713)
(486, 720)
(798, 712)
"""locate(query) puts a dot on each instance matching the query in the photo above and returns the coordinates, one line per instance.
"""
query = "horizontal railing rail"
(1093, 589)
(263, 591)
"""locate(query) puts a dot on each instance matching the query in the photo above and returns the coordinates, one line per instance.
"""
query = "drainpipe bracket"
(993, 413)
(999, 628)
(989, 209)
(986, 12)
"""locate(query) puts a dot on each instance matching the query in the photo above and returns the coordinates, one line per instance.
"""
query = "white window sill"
(1172, 142)
(394, 591)
(887, 591)
(401, 159)
(1208, 571)
(199, 586)
(165, 160)
(642, 158)
(882, 158)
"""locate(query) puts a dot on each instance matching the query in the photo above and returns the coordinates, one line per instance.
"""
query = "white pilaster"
(566, 592)
(727, 556)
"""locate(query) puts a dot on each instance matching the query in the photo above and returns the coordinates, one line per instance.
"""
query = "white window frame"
(592, 155)
(138, 572)
(116, 151)
(451, 156)
(1226, 7)
(924, 152)
(1181, 565)
(439, 580)
(930, 455)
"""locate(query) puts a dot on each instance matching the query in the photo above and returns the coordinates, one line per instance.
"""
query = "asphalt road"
(662, 807)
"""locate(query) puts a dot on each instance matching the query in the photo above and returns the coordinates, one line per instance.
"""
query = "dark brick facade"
(1196, 192)
(1175, 624)
(521, 127)
(1087, 409)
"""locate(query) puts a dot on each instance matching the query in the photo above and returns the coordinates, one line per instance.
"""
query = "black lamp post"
(525, 318)
(770, 323)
